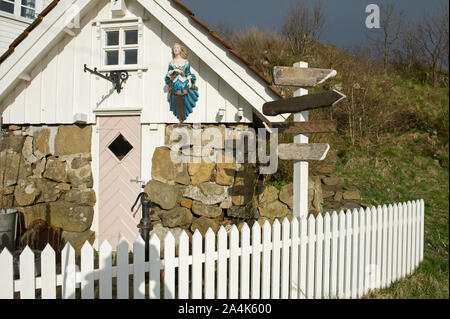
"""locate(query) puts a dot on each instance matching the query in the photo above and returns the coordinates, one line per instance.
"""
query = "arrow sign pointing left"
(303, 103)
(303, 151)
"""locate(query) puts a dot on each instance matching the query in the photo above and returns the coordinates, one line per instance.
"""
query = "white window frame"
(120, 25)
(18, 10)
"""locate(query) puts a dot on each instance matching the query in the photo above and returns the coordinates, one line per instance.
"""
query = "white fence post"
(256, 260)
(6, 275)
(123, 292)
(210, 242)
(48, 273)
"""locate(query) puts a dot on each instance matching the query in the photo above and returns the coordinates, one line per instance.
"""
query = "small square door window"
(120, 147)
(131, 56)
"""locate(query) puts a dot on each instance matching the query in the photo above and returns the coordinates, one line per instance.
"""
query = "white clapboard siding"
(59, 87)
(335, 256)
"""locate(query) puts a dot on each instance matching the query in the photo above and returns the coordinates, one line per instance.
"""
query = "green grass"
(392, 175)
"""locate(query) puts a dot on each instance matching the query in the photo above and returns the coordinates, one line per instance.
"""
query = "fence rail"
(341, 255)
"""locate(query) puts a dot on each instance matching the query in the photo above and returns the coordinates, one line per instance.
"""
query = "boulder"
(77, 239)
(204, 223)
(287, 195)
(39, 167)
(337, 196)
(78, 162)
(165, 195)
(25, 169)
(73, 139)
(332, 181)
(81, 176)
(315, 188)
(186, 202)
(242, 212)
(225, 172)
(56, 170)
(82, 197)
(244, 183)
(210, 211)
(32, 213)
(179, 216)
(71, 217)
(27, 150)
(13, 143)
(273, 209)
(267, 194)
(10, 172)
(351, 195)
(26, 192)
(166, 171)
(49, 191)
(200, 172)
(327, 194)
(41, 143)
(208, 193)
(226, 203)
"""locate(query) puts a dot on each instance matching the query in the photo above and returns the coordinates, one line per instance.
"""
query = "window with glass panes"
(121, 46)
(22, 8)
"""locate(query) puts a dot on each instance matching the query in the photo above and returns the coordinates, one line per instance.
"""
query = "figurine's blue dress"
(178, 84)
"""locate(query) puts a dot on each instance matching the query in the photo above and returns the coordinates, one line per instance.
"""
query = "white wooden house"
(42, 79)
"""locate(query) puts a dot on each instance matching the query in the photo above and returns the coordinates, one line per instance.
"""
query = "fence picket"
(384, 247)
(6, 275)
(123, 291)
(348, 254)
(361, 252)
(222, 264)
(293, 269)
(68, 271)
(318, 258)
(390, 226)
(87, 271)
(417, 233)
(105, 264)
(405, 238)
(256, 261)
(354, 259)
(210, 241)
(310, 257)
(413, 235)
(341, 256)
(394, 242)
(285, 259)
(197, 263)
(276, 245)
(169, 266)
(27, 281)
(334, 255)
(139, 268)
(154, 285)
(379, 260)
(245, 262)
(302, 258)
(373, 267)
(367, 248)
(48, 273)
(183, 267)
(234, 265)
(422, 225)
(409, 238)
(326, 256)
(266, 248)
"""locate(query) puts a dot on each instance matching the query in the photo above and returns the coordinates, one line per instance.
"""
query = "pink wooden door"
(120, 162)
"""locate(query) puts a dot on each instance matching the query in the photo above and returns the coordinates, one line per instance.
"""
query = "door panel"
(119, 162)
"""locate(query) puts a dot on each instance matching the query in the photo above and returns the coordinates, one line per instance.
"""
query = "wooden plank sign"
(303, 151)
(304, 127)
(303, 103)
(304, 77)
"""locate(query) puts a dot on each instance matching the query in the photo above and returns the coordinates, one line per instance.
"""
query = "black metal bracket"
(117, 78)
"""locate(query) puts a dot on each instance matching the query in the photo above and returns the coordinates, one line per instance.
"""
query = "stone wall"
(207, 194)
(45, 173)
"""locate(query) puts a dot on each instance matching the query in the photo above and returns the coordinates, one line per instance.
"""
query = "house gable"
(225, 82)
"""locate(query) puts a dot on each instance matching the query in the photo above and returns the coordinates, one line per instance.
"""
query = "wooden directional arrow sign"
(303, 103)
(303, 77)
(304, 127)
(303, 151)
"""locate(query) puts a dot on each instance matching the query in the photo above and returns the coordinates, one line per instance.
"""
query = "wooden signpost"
(300, 151)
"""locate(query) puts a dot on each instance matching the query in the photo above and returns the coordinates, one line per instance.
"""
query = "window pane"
(29, 3)
(112, 58)
(6, 6)
(27, 13)
(112, 38)
(131, 37)
(131, 56)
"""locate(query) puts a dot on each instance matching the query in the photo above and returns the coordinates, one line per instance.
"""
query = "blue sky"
(345, 19)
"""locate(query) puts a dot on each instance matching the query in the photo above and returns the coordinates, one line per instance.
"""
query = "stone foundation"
(45, 173)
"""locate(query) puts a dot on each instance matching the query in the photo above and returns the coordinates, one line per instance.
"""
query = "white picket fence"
(337, 256)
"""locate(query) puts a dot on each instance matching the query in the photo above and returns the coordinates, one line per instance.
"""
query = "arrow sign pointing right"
(304, 77)
(303, 103)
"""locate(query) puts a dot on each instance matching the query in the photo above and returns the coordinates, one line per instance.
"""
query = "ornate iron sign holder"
(117, 78)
